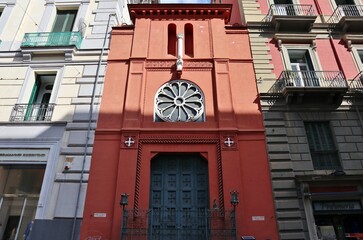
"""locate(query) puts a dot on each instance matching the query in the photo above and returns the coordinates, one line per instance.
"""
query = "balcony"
(52, 39)
(347, 18)
(311, 87)
(32, 112)
(291, 17)
(356, 85)
(182, 223)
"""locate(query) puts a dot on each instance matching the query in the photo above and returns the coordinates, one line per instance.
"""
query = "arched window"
(172, 39)
(179, 101)
(189, 42)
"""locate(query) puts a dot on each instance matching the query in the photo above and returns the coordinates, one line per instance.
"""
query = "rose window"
(179, 101)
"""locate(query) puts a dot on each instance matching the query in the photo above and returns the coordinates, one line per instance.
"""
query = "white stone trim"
(29, 81)
(48, 18)
(309, 47)
(309, 214)
(7, 7)
(270, 2)
(50, 169)
(357, 60)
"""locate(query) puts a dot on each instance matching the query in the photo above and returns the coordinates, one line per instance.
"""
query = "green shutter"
(321, 144)
(33, 98)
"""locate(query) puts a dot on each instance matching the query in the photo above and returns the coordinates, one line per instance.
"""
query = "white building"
(51, 73)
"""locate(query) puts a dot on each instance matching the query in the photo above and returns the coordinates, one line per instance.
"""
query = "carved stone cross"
(228, 142)
(129, 141)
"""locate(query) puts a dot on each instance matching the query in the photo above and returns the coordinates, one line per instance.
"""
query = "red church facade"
(180, 131)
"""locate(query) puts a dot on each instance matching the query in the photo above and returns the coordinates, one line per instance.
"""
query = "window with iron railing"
(62, 33)
(38, 107)
(322, 146)
(345, 8)
(32, 112)
(356, 84)
(303, 71)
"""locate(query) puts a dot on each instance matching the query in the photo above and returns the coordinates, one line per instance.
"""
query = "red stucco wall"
(222, 67)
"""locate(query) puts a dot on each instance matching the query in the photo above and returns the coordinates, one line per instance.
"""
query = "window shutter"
(35, 91)
(321, 144)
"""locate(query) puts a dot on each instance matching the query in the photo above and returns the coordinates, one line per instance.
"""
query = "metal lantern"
(234, 198)
(124, 200)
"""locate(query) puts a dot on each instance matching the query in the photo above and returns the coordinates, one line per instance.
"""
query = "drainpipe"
(90, 125)
(316, 2)
(359, 117)
(179, 61)
(358, 92)
(336, 55)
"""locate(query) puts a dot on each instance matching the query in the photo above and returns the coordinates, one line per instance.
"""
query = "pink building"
(308, 60)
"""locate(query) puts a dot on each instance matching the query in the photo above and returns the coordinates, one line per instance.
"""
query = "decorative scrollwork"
(179, 101)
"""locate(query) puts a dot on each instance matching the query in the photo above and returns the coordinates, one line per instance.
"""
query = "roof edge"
(207, 11)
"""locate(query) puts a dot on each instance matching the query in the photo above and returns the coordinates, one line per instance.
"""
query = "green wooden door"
(179, 197)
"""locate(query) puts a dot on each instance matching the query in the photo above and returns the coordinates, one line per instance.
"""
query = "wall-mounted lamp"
(215, 205)
(123, 203)
(68, 163)
(234, 198)
(234, 203)
(338, 172)
(124, 200)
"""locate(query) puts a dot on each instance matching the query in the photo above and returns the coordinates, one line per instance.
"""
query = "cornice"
(187, 11)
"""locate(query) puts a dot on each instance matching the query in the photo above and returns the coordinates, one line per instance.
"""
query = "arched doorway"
(179, 197)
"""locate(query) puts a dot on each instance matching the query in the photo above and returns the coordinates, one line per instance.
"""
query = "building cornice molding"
(206, 11)
(296, 37)
(350, 39)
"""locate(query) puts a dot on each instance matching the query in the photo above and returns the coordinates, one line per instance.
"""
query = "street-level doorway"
(19, 194)
(179, 197)
(339, 220)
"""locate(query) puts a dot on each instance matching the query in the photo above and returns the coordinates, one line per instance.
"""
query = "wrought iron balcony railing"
(32, 112)
(52, 39)
(357, 83)
(196, 224)
(309, 79)
(290, 10)
(346, 11)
